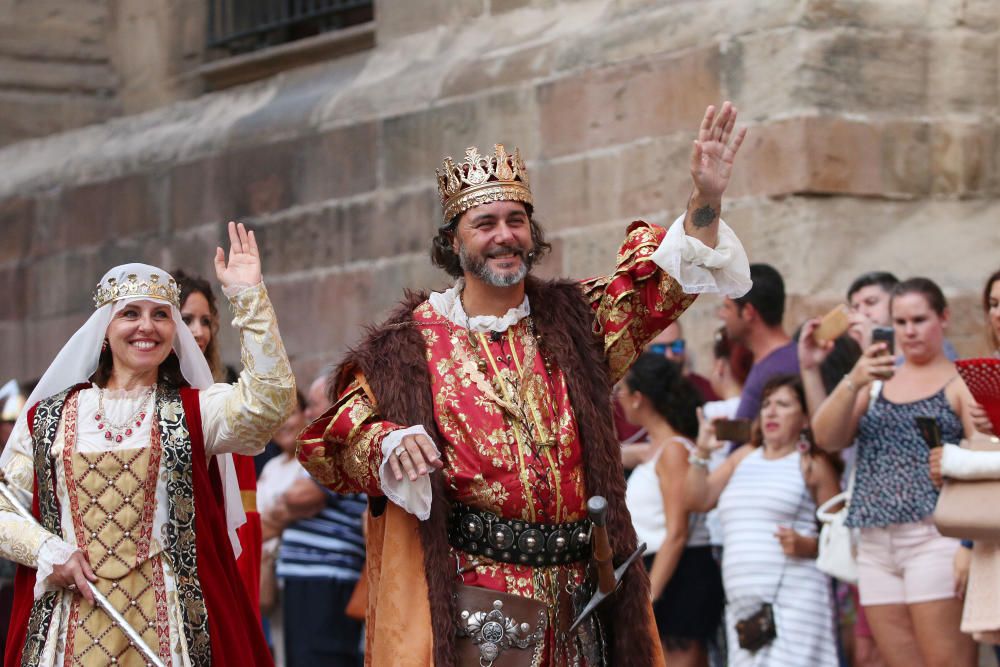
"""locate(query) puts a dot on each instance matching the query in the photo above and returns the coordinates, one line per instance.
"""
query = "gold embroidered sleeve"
(241, 417)
(20, 539)
(635, 302)
(342, 449)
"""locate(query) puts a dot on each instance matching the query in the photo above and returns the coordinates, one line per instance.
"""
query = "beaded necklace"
(122, 430)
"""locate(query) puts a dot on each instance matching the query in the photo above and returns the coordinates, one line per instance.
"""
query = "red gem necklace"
(118, 432)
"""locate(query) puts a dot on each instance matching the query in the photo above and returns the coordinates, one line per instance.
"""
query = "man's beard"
(478, 265)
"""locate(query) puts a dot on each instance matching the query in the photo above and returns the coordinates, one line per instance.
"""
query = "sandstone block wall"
(873, 144)
(66, 64)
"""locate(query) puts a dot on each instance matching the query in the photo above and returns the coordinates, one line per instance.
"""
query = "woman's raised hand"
(980, 419)
(812, 353)
(243, 268)
(875, 364)
(707, 442)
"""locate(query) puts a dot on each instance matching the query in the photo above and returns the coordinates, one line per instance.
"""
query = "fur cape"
(394, 363)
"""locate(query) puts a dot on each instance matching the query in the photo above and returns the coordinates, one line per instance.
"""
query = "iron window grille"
(242, 26)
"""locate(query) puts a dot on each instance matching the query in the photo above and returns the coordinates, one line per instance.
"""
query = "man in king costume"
(479, 422)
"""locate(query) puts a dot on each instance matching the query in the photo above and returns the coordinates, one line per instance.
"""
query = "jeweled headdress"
(481, 179)
(132, 285)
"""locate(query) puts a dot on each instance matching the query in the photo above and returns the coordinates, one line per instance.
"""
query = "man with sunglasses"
(669, 343)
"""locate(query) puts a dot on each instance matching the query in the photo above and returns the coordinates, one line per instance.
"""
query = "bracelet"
(850, 384)
(696, 460)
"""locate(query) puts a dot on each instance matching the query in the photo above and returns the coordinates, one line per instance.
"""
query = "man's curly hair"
(445, 257)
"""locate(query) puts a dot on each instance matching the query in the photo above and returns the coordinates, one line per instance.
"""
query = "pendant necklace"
(120, 431)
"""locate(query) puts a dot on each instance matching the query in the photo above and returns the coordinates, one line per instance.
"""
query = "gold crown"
(113, 290)
(482, 179)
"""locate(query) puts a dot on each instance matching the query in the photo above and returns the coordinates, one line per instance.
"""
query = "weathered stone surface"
(114, 209)
(979, 15)
(414, 145)
(16, 218)
(28, 113)
(13, 287)
(862, 71)
(338, 163)
(396, 19)
(962, 73)
(494, 70)
(627, 102)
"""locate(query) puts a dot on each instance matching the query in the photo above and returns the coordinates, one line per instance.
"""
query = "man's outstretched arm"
(659, 272)
(712, 157)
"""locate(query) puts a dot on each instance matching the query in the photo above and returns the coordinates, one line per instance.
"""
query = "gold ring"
(399, 451)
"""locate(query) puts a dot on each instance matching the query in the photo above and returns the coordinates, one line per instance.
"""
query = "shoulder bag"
(838, 552)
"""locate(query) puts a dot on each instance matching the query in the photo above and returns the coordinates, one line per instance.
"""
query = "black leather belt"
(481, 533)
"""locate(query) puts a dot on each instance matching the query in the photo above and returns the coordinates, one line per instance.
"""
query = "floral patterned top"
(893, 483)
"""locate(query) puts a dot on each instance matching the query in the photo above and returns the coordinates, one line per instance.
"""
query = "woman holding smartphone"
(906, 581)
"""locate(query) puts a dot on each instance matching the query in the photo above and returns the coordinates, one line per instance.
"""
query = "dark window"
(241, 26)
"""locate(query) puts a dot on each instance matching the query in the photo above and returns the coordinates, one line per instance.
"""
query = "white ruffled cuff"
(412, 496)
(699, 269)
(960, 463)
(54, 551)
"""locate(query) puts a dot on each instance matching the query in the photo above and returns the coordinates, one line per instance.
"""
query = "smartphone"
(885, 335)
(737, 430)
(833, 325)
(930, 429)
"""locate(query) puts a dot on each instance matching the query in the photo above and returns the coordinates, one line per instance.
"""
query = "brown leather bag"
(480, 625)
(966, 509)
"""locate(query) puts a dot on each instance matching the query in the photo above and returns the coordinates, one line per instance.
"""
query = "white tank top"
(645, 504)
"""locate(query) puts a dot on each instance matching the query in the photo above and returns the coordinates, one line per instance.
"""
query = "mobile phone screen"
(885, 335)
(930, 430)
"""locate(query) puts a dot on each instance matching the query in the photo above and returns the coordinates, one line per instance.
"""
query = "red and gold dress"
(511, 444)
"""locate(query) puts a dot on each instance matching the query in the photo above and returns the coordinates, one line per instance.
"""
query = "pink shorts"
(905, 564)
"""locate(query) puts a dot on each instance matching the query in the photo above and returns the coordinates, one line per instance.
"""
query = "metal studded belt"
(481, 533)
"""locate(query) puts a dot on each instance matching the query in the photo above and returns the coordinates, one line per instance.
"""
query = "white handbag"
(838, 555)
(838, 544)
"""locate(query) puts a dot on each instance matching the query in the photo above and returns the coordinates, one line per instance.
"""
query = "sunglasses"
(675, 348)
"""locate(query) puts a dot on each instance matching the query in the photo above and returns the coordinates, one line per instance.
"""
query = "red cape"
(250, 535)
(236, 635)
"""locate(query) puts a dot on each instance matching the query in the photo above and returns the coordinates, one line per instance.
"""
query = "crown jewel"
(133, 286)
(481, 179)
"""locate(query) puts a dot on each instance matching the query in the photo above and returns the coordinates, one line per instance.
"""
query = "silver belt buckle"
(494, 632)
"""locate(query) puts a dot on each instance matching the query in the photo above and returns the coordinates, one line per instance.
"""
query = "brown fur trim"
(565, 322)
(393, 360)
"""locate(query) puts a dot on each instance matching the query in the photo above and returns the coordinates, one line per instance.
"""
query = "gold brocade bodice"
(113, 497)
(111, 494)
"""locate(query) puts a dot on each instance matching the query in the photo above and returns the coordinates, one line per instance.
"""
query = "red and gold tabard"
(511, 444)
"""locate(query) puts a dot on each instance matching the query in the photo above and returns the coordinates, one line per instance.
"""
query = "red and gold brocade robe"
(494, 461)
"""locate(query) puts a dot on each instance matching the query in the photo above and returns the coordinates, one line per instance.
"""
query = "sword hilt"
(597, 508)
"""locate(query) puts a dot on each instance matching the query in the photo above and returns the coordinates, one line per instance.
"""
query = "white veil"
(78, 359)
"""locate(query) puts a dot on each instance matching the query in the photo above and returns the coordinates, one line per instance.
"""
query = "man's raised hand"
(715, 150)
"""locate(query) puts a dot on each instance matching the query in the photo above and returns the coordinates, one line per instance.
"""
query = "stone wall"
(873, 144)
(66, 64)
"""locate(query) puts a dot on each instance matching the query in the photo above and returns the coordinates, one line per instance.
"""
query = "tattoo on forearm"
(704, 216)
